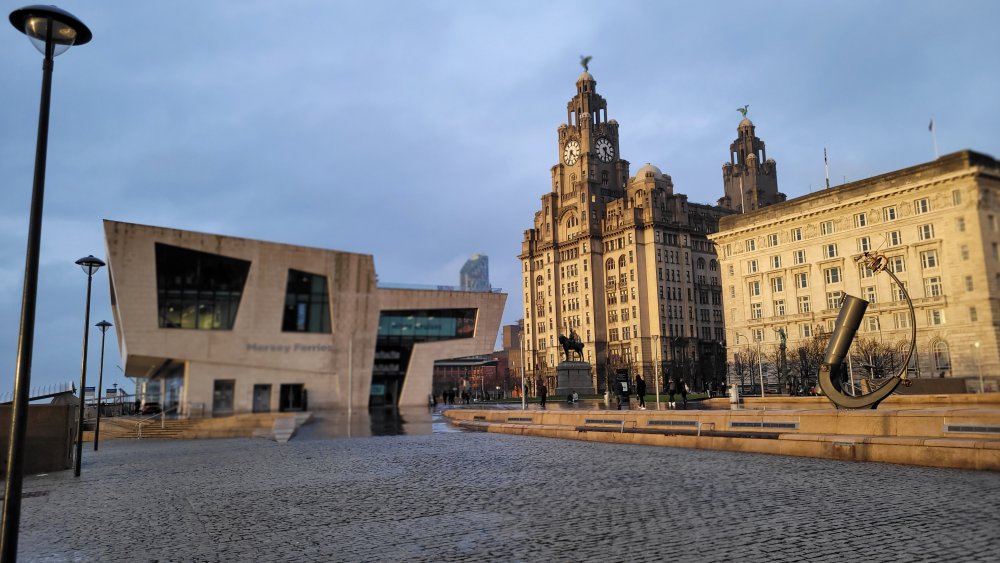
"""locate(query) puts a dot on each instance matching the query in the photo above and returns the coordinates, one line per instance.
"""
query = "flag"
(931, 126)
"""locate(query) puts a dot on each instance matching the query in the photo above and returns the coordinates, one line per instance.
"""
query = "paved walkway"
(493, 497)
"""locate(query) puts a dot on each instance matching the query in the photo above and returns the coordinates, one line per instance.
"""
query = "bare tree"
(810, 356)
(879, 359)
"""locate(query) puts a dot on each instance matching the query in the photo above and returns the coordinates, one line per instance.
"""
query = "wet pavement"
(475, 496)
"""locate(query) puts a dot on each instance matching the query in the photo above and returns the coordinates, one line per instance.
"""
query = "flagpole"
(826, 167)
(933, 137)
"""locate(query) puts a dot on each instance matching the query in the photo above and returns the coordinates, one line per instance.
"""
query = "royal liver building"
(620, 260)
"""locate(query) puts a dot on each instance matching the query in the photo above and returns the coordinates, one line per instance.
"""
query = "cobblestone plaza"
(452, 496)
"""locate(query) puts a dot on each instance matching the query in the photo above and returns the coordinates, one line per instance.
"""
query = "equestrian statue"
(572, 343)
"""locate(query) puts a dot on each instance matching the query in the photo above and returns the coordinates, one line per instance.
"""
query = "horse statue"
(572, 343)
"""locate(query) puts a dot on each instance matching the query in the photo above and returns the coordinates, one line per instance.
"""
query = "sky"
(422, 132)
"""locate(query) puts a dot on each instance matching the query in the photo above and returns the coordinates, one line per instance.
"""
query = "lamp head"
(45, 24)
(90, 265)
(104, 326)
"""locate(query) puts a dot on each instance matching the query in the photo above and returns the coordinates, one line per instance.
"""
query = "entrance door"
(292, 397)
(222, 397)
(261, 398)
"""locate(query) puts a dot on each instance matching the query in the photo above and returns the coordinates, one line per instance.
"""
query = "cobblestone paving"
(494, 497)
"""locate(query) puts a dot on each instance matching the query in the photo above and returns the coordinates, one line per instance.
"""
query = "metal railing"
(162, 414)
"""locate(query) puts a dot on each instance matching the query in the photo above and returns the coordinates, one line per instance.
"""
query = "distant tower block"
(475, 274)
(750, 178)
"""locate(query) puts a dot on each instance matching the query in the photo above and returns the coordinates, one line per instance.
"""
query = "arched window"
(610, 264)
(942, 359)
(713, 265)
(539, 281)
(701, 263)
(621, 261)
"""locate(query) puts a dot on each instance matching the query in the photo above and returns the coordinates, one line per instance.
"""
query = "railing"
(161, 414)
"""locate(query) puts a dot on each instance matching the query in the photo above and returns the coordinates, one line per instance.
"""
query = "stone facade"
(621, 260)
(750, 178)
(786, 266)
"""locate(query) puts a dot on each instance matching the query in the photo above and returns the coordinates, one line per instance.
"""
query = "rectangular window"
(969, 286)
(869, 294)
(756, 311)
(932, 286)
(805, 331)
(929, 259)
(871, 324)
(833, 299)
(925, 232)
(956, 197)
(751, 245)
(307, 303)
(754, 288)
(775, 262)
(860, 220)
(935, 317)
(779, 307)
(897, 292)
(802, 280)
(752, 267)
(973, 316)
(796, 233)
(778, 284)
(902, 319)
(804, 306)
(799, 257)
(198, 290)
(865, 272)
(993, 247)
(960, 224)
(864, 244)
(893, 238)
(830, 250)
(889, 213)
(832, 275)
(772, 239)
(826, 228)
(758, 334)
(897, 264)
(921, 205)
(965, 252)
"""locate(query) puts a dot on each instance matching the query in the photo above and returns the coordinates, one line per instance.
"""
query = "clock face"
(605, 151)
(572, 152)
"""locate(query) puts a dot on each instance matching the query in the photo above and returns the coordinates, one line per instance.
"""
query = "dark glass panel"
(307, 303)
(197, 289)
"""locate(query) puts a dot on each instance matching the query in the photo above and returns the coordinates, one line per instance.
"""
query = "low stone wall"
(49, 439)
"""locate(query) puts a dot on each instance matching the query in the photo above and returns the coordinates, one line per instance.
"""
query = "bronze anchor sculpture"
(852, 311)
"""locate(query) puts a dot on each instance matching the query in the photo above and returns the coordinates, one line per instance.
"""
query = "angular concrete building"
(216, 325)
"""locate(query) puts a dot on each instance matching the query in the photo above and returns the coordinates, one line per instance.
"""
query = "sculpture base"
(574, 377)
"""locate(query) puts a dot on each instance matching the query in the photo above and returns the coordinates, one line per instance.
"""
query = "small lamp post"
(979, 366)
(52, 31)
(90, 265)
(104, 326)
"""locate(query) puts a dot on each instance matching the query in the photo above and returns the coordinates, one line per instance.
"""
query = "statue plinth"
(574, 377)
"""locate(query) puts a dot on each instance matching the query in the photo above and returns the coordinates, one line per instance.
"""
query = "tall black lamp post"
(104, 326)
(52, 31)
(90, 265)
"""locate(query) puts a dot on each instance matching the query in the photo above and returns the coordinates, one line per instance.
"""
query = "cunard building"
(621, 260)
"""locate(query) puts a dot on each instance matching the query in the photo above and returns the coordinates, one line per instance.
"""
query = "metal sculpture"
(832, 372)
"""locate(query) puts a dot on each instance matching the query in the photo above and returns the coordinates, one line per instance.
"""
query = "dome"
(585, 76)
(649, 170)
(746, 123)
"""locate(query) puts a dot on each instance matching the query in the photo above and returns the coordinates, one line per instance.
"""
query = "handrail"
(161, 414)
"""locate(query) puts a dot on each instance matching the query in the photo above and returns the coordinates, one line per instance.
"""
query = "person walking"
(640, 392)
(671, 391)
(684, 393)
(542, 393)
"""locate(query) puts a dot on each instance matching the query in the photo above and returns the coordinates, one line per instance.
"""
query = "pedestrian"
(684, 393)
(542, 393)
(576, 397)
(640, 391)
(671, 391)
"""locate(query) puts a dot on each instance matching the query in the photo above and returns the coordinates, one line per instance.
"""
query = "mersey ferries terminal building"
(215, 325)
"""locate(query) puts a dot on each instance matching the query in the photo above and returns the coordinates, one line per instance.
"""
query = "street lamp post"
(656, 369)
(760, 369)
(90, 265)
(52, 31)
(979, 366)
(104, 326)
